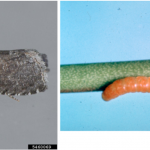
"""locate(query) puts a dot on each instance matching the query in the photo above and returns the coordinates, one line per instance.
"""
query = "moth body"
(22, 72)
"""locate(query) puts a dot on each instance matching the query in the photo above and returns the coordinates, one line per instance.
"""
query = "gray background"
(33, 120)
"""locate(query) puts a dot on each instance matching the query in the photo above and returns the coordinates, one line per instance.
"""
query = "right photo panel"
(104, 66)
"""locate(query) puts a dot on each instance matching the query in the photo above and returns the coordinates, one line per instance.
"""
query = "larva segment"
(148, 84)
(129, 84)
(126, 85)
(142, 84)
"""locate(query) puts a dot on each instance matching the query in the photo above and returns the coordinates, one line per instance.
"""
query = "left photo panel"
(28, 74)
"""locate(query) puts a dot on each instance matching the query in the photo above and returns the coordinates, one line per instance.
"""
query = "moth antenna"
(12, 97)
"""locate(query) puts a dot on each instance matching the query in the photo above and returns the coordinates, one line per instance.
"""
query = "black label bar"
(42, 146)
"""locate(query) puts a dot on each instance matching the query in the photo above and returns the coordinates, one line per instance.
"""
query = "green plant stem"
(91, 77)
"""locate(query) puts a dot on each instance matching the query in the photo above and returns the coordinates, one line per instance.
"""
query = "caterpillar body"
(126, 85)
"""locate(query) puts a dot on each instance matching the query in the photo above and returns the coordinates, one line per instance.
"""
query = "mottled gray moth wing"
(23, 72)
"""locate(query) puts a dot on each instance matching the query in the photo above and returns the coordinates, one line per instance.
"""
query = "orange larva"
(126, 85)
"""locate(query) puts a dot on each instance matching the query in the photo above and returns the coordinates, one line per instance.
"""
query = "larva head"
(109, 93)
(113, 90)
(105, 97)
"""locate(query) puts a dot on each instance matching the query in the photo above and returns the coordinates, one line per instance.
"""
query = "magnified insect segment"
(126, 85)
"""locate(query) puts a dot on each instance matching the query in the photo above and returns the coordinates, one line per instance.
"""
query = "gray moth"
(23, 72)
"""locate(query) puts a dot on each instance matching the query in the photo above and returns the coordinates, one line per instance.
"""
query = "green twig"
(90, 77)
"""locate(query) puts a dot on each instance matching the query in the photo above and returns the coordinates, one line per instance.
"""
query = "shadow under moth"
(22, 72)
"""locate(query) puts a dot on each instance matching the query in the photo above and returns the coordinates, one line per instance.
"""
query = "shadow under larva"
(22, 72)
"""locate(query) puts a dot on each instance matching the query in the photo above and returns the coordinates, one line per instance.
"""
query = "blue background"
(104, 32)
